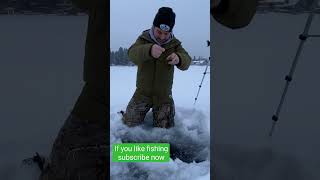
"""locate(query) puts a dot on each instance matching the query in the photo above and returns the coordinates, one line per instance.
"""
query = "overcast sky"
(129, 18)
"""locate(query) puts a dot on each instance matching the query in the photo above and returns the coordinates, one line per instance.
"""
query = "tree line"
(120, 58)
(39, 7)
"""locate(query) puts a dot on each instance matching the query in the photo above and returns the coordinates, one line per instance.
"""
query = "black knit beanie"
(164, 19)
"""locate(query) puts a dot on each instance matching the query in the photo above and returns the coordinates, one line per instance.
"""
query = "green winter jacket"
(155, 76)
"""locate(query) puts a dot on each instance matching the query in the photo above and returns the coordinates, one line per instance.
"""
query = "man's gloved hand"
(156, 51)
(173, 59)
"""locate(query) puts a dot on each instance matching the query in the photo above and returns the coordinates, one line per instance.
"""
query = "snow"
(41, 75)
(42, 80)
(191, 131)
(249, 69)
(41, 72)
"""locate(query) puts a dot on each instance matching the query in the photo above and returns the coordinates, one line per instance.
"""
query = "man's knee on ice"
(164, 116)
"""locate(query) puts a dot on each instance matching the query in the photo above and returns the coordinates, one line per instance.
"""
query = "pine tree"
(120, 56)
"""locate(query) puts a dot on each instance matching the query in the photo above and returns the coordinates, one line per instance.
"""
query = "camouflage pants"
(138, 107)
(80, 152)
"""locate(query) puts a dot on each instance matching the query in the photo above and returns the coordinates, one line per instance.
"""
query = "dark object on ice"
(185, 149)
(121, 112)
(39, 160)
(187, 153)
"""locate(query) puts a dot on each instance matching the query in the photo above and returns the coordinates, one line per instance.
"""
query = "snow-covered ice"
(191, 132)
(41, 60)
(250, 66)
(41, 68)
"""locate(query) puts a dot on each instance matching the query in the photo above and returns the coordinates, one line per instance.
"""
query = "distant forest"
(63, 7)
(120, 58)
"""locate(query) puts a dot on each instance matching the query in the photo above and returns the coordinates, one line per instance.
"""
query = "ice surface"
(190, 135)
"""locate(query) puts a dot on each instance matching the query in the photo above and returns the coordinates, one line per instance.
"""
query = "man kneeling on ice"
(156, 52)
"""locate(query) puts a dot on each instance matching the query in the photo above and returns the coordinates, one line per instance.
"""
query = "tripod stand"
(303, 38)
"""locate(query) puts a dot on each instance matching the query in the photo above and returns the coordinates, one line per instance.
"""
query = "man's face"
(161, 35)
